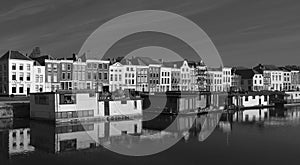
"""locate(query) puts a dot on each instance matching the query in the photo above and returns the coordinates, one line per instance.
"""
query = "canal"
(260, 136)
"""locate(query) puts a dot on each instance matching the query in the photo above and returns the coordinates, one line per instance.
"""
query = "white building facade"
(165, 79)
(39, 78)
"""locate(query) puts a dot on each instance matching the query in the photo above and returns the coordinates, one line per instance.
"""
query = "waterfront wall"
(6, 111)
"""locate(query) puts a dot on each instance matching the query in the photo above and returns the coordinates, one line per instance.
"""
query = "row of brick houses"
(21, 74)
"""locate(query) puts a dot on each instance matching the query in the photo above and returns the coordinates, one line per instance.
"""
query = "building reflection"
(269, 116)
(14, 138)
(71, 137)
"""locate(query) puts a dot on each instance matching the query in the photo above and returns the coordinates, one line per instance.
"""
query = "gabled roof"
(14, 55)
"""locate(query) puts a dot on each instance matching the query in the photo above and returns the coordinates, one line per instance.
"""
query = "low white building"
(80, 105)
(16, 74)
(250, 100)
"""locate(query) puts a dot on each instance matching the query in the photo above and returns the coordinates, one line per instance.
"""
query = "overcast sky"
(245, 32)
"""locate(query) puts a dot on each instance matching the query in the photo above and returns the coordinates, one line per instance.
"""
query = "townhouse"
(16, 74)
(201, 76)
(79, 74)
(39, 78)
(215, 79)
(185, 76)
(273, 77)
(142, 78)
(226, 76)
(52, 75)
(154, 77)
(97, 72)
(116, 77)
(66, 77)
(287, 79)
(251, 80)
(130, 77)
(165, 79)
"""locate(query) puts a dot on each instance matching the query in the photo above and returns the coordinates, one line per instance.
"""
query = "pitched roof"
(41, 59)
(14, 55)
(145, 61)
(245, 73)
(266, 67)
(174, 64)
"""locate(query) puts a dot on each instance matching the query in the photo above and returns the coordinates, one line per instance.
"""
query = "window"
(100, 76)
(68, 75)
(41, 78)
(28, 67)
(89, 65)
(49, 67)
(100, 66)
(69, 67)
(28, 76)
(49, 77)
(21, 67)
(54, 77)
(67, 98)
(13, 66)
(105, 66)
(14, 77)
(21, 76)
(63, 75)
(55, 67)
(63, 67)
(105, 76)
(37, 78)
(246, 98)
(265, 98)
(41, 99)
(21, 89)
(89, 75)
(95, 76)
(13, 89)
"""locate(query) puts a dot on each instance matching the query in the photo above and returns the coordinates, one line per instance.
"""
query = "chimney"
(75, 57)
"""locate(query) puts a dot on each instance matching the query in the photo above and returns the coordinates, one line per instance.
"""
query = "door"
(106, 108)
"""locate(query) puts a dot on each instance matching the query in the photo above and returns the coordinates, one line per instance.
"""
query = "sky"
(245, 32)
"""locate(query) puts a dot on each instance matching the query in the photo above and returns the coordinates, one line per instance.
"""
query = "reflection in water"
(20, 137)
(14, 138)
